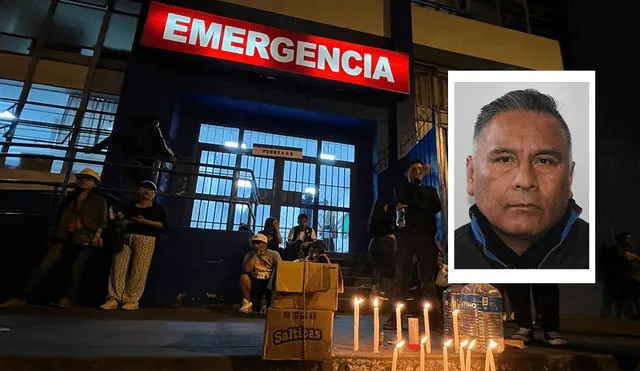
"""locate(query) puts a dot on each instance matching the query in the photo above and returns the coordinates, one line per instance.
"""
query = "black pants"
(56, 252)
(133, 176)
(382, 250)
(422, 245)
(547, 304)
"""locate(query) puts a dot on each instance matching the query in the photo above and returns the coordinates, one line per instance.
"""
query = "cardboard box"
(298, 335)
(311, 301)
(306, 286)
(299, 277)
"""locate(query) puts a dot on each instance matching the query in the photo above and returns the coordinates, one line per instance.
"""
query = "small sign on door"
(273, 151)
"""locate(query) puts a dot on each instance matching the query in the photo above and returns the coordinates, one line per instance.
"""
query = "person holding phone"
(143, 221)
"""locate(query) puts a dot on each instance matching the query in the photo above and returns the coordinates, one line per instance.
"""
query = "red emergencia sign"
(188, 31)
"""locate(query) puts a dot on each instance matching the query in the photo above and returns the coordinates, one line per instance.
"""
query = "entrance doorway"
(318, 185)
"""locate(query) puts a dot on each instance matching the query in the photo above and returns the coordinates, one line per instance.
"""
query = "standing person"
(547, 303)
(142, 144)
(382, 245)
(628, 267)
(420, 205)
(143, 222)
(258, 265)
(612, 274)
(76, 231)
(299, 239)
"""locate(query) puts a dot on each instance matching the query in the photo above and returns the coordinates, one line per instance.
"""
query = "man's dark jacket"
(423, 205)
(565, 246)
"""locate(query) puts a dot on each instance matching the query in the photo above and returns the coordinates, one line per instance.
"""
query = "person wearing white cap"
(76, 231)
(259, 265)
(143, 221)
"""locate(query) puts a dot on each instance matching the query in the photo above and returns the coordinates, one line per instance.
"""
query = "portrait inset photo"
(522, 194)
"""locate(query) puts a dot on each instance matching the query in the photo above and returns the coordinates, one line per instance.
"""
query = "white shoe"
(130, 306)
(110, 305)
(247, 306)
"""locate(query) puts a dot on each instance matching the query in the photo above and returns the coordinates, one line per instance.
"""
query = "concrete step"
(351, 281)
(366, 271)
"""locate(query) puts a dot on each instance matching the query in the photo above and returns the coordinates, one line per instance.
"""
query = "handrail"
(251, 202)
(94, 162)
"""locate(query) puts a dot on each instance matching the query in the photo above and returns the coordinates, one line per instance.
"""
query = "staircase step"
(352, 281)
(357, 271)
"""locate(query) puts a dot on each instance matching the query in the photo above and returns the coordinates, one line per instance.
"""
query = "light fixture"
(244, 183)
(311, 191)
(326, 156)
(6, 114)
(231, 144)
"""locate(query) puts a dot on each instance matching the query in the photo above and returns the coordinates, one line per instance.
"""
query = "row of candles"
(425, 344)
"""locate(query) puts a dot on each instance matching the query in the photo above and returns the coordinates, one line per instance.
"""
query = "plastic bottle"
(401, 222)
(263, 306)
(451, 302)
(481, 316)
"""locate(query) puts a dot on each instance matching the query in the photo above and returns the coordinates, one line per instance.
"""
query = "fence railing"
(204, 171)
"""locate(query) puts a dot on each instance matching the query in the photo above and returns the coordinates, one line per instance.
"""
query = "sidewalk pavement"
(167, 339)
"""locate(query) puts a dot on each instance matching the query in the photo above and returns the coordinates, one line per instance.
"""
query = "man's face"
(415, 172)
(521, 174)
(628, 240)
(302, 222)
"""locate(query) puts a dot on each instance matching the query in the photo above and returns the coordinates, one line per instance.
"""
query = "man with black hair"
(142, 143)
(420, 205)
(300, 238)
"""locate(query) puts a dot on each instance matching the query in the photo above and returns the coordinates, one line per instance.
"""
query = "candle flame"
(427, 305)
(492, 344)
(400, 344)
(473, 343)
(464, 343)
(400, 306)
(447, 343)
(356, 301)
(455, 312)
(424, 340)
(375, 302)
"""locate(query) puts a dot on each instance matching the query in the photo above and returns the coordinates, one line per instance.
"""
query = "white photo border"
(564, 276)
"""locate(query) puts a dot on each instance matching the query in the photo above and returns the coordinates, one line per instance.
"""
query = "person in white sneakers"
(259, 265)
(143, 221)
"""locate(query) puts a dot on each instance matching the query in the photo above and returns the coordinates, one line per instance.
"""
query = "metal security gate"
(318, 185)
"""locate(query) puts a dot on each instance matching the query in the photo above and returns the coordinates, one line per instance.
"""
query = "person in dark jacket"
(142, 144)
(520, 176)
(299, 239)
(420, 204)
(76, 232)
(382, 245)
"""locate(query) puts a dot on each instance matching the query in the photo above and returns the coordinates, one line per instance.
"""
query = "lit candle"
(469, 354)
(427, 330)
(356, 323)
(456, 334)
(399, 322)
(461, 353)
(422, 349)
(394, 362)
(445, 354)
(490, 361)
(376, 326)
